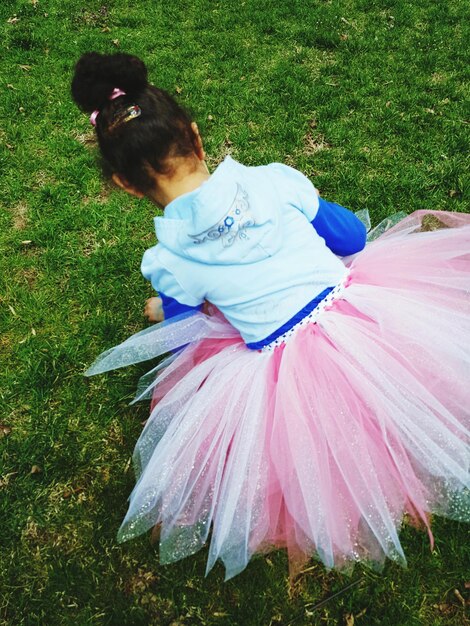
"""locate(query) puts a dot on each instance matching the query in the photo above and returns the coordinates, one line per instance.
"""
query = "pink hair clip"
(116, 92)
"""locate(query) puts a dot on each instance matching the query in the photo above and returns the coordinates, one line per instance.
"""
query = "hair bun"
(96, 75)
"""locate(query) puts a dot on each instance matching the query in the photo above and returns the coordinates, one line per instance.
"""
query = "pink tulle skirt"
(325, 443)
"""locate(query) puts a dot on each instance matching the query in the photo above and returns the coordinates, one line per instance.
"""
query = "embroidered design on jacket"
(234, 223)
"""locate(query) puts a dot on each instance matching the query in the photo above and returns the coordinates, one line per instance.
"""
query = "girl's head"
(141, 129)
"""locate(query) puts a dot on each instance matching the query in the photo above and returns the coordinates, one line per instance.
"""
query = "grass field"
(365, 96)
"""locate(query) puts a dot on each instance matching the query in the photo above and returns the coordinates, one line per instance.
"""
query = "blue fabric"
(343, 232)
(298, 317)
(172, 307)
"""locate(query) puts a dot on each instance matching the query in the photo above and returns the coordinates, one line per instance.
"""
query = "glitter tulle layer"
(323, 444)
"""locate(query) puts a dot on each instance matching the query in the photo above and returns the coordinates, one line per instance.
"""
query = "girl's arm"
(343, 232)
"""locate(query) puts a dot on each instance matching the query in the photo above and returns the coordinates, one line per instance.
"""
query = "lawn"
(367, 97)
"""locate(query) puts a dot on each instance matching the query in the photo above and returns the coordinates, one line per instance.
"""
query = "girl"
(323, 399)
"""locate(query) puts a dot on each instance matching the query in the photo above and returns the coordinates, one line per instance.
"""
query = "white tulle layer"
(323, 444)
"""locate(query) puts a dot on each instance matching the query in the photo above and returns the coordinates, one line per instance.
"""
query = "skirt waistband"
(308, 315)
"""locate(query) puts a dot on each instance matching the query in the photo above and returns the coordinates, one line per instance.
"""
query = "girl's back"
(244, 242)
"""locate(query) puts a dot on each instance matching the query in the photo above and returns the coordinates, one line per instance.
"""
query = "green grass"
(366, 97)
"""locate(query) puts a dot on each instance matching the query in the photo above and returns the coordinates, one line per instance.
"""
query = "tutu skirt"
(324, 443)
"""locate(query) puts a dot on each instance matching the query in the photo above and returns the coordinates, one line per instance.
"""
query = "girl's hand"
(153, 310)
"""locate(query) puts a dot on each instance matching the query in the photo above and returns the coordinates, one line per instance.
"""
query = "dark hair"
(132, 149)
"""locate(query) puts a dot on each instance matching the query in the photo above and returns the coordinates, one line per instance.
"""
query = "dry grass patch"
(19, 213)
(313, 143)
(86, 139)
(29, 276)
(225, 149)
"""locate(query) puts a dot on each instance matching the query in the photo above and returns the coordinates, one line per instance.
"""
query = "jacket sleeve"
(175, 298)
(295, 189)
(343, 232)
(171, 306)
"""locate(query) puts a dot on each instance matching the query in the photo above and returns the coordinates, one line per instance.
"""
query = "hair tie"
(116, 92)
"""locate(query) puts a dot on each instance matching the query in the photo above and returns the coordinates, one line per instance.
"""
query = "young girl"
(316, 400)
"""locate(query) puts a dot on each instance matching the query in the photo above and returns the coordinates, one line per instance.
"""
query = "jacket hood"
(226, 220)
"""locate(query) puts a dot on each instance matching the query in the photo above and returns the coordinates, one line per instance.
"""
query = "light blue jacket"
(244, 241)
